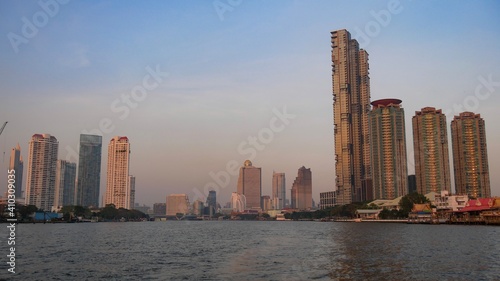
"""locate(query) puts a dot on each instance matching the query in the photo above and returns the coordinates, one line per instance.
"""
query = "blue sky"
(227, 71)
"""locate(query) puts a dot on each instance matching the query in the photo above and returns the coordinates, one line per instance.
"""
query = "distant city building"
(470, 156)
(42, 164)
(198, 207)
(388, 149)
(351, 104)
(177, 204)
(302, 190)
(211, 203)
(250, 185)
(89, 171)
(131, 181)
(266, 203)
(327, 199)
(446, 202)
(238, 202)
(430, 144)
(16, 164)
(160, 209)
(144, 208)
(65, 184)
(118, 185)
(412, 184)
(279, 191)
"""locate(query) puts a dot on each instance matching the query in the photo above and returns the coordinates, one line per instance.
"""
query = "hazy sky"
(83, 66)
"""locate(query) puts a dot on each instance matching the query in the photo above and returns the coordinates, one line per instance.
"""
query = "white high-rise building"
(118, 184)
(42, 163)
(238, 202)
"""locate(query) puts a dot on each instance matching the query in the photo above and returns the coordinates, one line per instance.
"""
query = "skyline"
(227, 74)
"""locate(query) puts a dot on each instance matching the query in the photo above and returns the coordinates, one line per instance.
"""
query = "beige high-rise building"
(118, 190)
(42, 164)
(470, 156)
(388, 149)
(238, 202)
(351, 104)
(430, 144)
(250, 185)
(302, 190)
(279, 191)
(177, 204)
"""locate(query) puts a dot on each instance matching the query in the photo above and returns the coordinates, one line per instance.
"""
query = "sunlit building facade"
(238, 202)
(301, 194)
(177, 204)
(250, 184)
(279, 191)
(118, 190)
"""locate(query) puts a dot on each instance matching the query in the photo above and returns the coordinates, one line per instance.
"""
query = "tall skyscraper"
(279, 191)
(470, 156)
(117, 183)
(212, 202)
(17, 164)
(131, 182)
(351, 104)
(42, 164)
(89, 171)
(430, 144)
(250, 184)
(177, 204)
(388, 149)
(302, 190)
(65, 183)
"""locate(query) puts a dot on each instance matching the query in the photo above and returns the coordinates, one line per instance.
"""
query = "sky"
(198, 87)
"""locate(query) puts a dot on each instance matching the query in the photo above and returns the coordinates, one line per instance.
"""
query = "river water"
(252, 250)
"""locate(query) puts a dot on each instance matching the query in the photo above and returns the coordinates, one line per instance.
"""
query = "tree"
(407, 202)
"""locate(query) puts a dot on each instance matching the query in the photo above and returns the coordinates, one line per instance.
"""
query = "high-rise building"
(42, 164)
(212, 202)
(131, 181)
(65, 184)
(351, 104)
(16, 164)
(470, 156)
(388, 149)
(412, 184)
(279, 191)
(430, 144)
(177, 204)
(198, 207)
(302, 190)
(89, 171)
(117, 183)
(266, 203)
(238, 202)
(250, 185)
(160, 209)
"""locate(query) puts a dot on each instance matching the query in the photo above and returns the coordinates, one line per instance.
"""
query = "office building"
(17, 164)
(42, 164)
(211, 202)
(89, 171)
(198, 207)
(302, 190)
(117, 184)
(266, 203)
(131, 181)
(470, 156)
(238, 202)
(351, 104)
(388, 149)
(430, 144)
(177, 204)
(279, 191)
(65, 184)
(250, 184)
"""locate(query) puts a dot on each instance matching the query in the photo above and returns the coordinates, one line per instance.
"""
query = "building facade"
(302, 190)
(89, 171)
(351, 104)
(327, 199)
(430, 144)
(279, 191)
(131, 181)
(65, 184)
(470, 156)
(117, 184)
(238, 202)
(388, 149)
(17, 164)
(177, 204)
(250, 185)
(212, 202)
(266, 203)
(42, 165)
(160, 209)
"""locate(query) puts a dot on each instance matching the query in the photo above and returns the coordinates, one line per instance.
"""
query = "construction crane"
(3, 127)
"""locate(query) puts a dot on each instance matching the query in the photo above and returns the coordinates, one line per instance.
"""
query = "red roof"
(479, 204)
(385, 102)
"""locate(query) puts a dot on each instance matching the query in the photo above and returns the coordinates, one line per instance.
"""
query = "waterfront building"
(388, 149)
(351, 105)
(89, 171)
(327, 199)
(447, 202)
(302, 190)
(198, 208)
(118, 190)
(266, 203)
(65, 184)
(430, 144)
(250, 184)
(470, 156)
(42, 164)
(238, 202)
(17, 164)
(160, 209)
(177, 204)
(279, 191)
(211, 203)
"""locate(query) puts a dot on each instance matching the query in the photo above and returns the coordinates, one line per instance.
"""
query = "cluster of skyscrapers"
(370, 143)
(53, 183)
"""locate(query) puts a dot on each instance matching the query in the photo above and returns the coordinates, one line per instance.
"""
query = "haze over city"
(219, 76)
